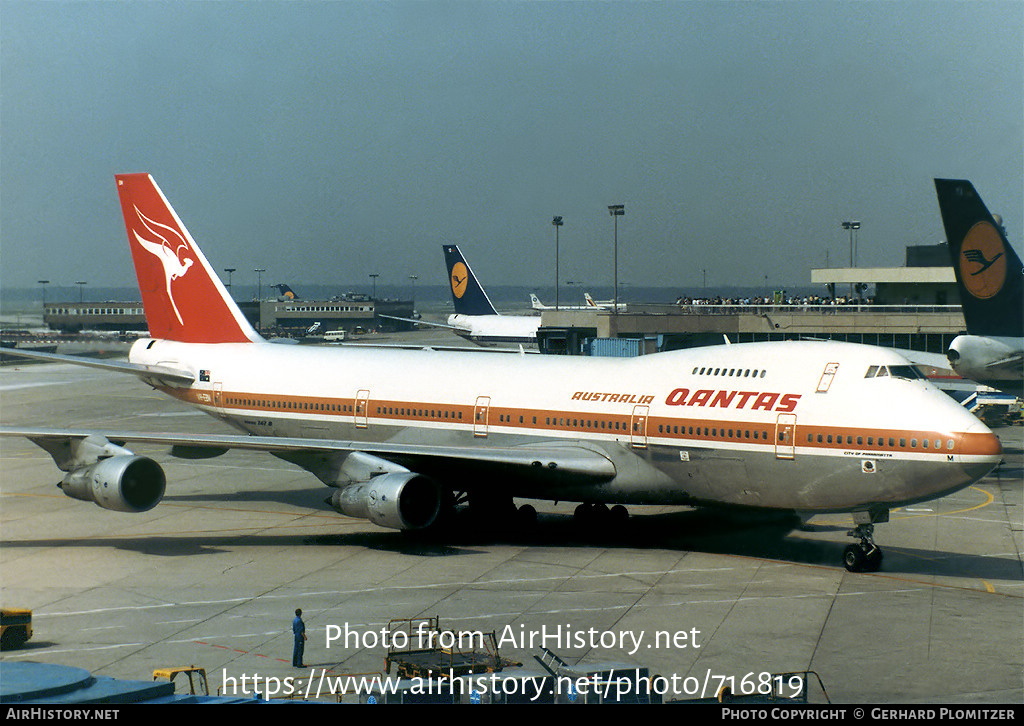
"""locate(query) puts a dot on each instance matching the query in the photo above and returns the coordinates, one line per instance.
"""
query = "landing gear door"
(785, 436)
(481, 410)
(362, 409)
(638, 427)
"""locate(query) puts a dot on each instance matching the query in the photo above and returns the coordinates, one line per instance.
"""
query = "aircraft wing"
(159, 374)
(549, 463)
(1009, 364)
(420, 322)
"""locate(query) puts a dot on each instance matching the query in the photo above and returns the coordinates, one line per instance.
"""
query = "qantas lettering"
(612, 397)
(733, 399)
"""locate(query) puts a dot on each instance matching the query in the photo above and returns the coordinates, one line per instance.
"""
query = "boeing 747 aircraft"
(990, 277)
(402, 435)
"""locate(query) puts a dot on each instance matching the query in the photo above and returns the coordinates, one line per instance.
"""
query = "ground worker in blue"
(299, 631)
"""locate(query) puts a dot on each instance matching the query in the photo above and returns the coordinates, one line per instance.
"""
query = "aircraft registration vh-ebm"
(403, 436)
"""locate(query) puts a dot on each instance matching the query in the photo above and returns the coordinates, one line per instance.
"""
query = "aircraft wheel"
(619, 514)
(873, 560)
(853, 558)
(583, 513)
(527, 516)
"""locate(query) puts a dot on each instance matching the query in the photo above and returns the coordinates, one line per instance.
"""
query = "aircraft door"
(826, 377)
(362, 407)
(785, 436)
(218, 394)
(481, 410)
(638, 427)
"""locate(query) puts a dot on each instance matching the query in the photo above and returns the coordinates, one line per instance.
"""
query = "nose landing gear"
(865, 556)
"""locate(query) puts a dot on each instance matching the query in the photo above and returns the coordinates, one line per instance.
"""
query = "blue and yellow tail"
(467, 294)
(989, 273)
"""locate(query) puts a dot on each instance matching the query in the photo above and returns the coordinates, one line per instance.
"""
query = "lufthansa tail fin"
(285, 292)
(467, 294)
(988, 272)
(183, 297)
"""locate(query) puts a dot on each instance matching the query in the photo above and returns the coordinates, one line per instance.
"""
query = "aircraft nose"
(981, 450)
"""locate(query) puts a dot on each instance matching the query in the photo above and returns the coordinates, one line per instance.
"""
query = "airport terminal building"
(274, 317)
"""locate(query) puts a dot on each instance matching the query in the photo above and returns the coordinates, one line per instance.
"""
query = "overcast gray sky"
(327, 140)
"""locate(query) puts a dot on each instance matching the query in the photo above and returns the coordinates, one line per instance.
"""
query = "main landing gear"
(865, 556)
(588, 515)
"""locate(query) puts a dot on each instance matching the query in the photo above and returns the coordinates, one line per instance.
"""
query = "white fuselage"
(994, 361)
(794, 426)
(491, 329)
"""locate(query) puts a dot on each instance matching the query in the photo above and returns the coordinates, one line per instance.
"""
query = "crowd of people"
(775, 299)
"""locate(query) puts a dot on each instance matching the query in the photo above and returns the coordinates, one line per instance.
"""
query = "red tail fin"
(183, 297)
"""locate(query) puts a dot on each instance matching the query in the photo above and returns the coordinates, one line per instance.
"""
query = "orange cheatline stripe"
(717, 430)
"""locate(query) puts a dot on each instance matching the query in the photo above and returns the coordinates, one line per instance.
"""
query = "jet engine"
(125, 483)
(400, 500)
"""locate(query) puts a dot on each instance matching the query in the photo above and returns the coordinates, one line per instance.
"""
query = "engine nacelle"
(400, 500)
(126, 483)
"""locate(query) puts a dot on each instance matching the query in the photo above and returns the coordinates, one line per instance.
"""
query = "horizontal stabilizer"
(160, 374)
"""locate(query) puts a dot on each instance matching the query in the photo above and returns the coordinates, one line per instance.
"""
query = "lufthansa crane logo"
(460, 276)
(983, 261)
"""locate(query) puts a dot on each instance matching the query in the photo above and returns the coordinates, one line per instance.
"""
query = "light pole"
(374, 276)
(557, 222)
(259, 282)
(81, 286)
(414, 278)
(616, 211)
(44, 283)
(851, 226)
(229, 270)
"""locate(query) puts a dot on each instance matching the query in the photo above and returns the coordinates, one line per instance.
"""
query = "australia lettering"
(753, 400)
(612, 397)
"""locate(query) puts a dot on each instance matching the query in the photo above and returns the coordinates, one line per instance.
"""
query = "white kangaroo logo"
(169, 253)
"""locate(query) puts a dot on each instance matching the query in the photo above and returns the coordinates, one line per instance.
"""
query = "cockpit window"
(907, 373)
